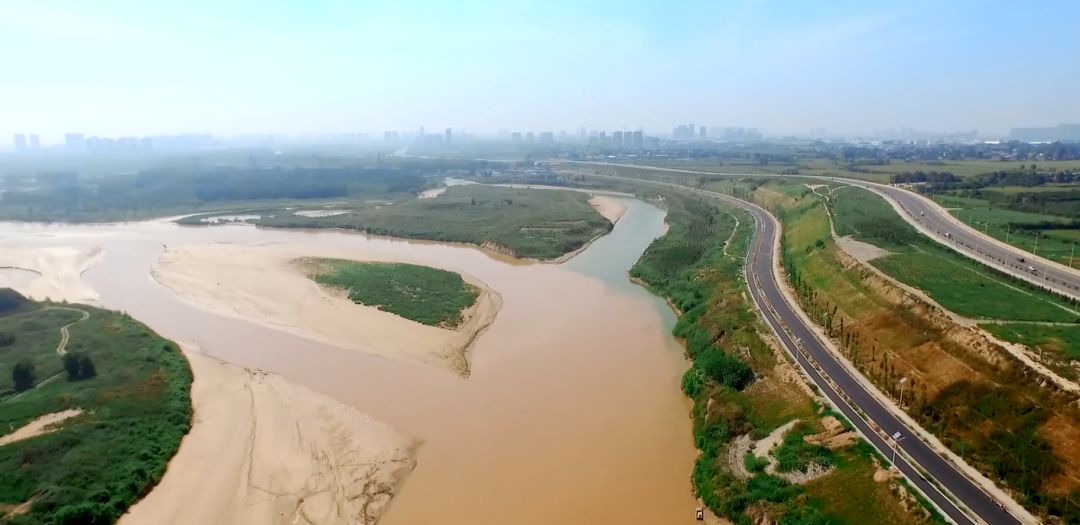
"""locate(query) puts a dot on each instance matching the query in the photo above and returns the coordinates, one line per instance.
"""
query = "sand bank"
(39, 426)
(59, 271)
(611, 209)
(262, 450)
(263, 284)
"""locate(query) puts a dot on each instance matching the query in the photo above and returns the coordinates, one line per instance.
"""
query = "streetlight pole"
(1007, 231)
(1071, 253)
(896, 439)
(903, 381)
(1035, 249)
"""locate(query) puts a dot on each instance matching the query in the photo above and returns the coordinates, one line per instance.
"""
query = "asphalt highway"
(917, 461)
(942, 227)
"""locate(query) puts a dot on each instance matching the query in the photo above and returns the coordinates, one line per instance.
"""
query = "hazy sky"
(144, 67)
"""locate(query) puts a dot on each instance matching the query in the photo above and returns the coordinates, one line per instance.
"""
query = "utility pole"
(1071, 253)
(1035, 249)
(903, 381)
(1007, 231)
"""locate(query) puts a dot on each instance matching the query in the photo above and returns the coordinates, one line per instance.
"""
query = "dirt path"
(65, 335)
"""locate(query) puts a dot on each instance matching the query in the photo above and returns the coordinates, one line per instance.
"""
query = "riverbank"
(231, 280)
(263, 450)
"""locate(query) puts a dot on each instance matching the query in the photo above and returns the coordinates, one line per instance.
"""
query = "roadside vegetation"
(988, 407)
(742, 387)
(132, 388)
(526, 223)
(420, 293)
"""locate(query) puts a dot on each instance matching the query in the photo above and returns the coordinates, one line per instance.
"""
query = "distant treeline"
(1023, 178)
(1065, 203)
(171, 189)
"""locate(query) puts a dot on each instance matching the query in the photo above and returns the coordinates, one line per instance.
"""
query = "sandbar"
(265, 284)
(59, 271)
(263, 450)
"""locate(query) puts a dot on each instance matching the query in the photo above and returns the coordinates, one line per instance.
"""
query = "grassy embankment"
(538, 224)
(426, 295)
(136, 408)
(963, 286)
(740, 386)
(988, 407)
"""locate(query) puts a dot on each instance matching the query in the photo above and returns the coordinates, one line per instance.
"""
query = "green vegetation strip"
(133, 388)
(538, 224)
(426, 295)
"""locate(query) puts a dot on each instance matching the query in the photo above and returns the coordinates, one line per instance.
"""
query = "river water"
(572, 414)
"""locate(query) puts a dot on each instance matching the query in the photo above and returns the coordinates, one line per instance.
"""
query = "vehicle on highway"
(949, 235)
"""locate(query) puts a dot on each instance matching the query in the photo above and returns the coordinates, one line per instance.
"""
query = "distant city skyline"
(125, 68)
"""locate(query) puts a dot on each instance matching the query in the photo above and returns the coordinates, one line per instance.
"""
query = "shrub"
(79, 366)
(23, 375)
(724, 369)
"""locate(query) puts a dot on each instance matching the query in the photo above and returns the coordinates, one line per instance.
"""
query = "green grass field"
(960, 285)
(1060, 339)
(526, 223)
(136, 409)
(426, 295)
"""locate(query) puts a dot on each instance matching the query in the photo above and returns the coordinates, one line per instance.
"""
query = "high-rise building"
(35, 142)
(701, 133)
(529, 137)
(20, 143)
(516, 136)
(449, 135)
(639, 140)
(616, 139)
(547, 137)
(75, 142)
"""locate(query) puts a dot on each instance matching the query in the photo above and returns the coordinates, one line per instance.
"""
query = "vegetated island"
(525, 223)
(423, 294)
(230, 280)
(92, 406)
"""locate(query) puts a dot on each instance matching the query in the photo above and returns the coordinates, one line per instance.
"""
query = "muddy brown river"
(572, 414)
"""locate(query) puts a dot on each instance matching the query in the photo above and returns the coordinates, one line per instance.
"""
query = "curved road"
(869, 416)
(933, 220)
(936, 222)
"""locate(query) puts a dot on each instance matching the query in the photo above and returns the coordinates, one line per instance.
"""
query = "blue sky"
(123, 67)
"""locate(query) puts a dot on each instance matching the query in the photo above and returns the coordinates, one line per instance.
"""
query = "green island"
(526, 223)
(127, 390)
(419, 293)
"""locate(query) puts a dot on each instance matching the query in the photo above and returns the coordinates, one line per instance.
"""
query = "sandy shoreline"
(231, 280)
(262, 450)
(610, 208)
(59, 271)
